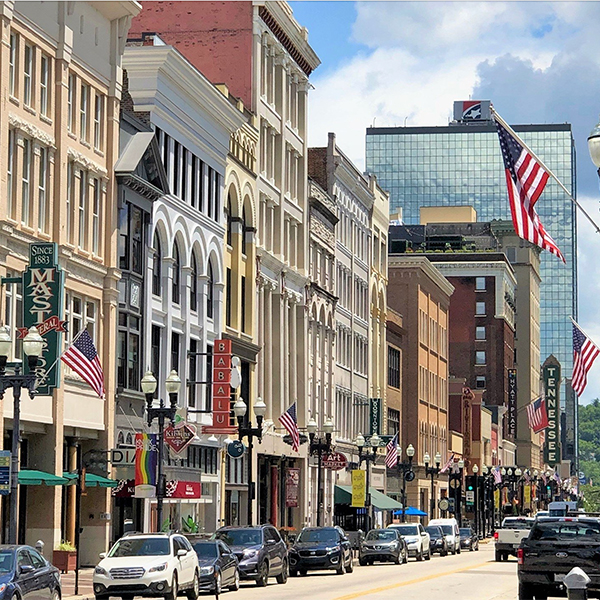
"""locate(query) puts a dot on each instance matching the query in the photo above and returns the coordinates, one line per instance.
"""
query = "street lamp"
(33, 344)
(368, 457)
(161, 412)
(432, 472)
(594, 146)
(318, 447)
(476, 515)
(245, 429)
(405, 469)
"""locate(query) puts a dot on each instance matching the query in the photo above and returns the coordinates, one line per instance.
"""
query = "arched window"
(129, 440)
(120, 439)
(228, 219)
(194, 285)
(176, 275)
(210, 286)
(244, 227)
(156, 265)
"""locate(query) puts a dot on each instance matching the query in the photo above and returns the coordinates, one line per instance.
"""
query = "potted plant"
(64, 557)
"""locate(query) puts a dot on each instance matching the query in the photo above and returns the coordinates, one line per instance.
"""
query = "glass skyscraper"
(461, 165)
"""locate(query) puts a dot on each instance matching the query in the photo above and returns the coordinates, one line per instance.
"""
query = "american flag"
(556, 477)
(448, 463)
(537, 415)
(544, 478)
(82, 357)
(290, 421)
(391, 456)
(526, 180)
(497, 475)
(585, 353)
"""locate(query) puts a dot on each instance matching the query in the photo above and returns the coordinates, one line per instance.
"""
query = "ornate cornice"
(86, 163)
(31, 130)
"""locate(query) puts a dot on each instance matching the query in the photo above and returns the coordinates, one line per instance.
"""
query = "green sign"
(43, 290)
(375, 415)
(551, 377)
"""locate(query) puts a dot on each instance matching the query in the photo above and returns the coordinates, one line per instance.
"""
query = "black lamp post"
(33, 344)
(594, 146)
(455, 480)
(405, 469)
(487, 501)
(368, 457)
(476, 511)
(245, 429)
(318, 447)
(161, 412)
(432, 472)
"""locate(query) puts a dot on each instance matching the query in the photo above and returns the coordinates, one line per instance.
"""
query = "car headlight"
(207, 570)
(250, 553)
(467, 541)
(97, 571)
(332, 549)
(2, 587)
(160, 567)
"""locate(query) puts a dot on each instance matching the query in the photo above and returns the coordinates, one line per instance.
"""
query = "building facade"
(61, 88)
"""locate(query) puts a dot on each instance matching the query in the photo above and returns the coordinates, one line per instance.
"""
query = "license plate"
(559, 577)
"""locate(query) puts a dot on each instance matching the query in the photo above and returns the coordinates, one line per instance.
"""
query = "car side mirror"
(102, 555)
(424, 533)
(182, 552)
(24, 569)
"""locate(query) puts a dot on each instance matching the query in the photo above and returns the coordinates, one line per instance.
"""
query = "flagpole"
(580, 329)
(45, 375)
(510, 130)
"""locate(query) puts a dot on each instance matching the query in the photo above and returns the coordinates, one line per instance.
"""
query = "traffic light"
(470, 483)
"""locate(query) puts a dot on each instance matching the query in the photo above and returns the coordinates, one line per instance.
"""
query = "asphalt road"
(468, 576)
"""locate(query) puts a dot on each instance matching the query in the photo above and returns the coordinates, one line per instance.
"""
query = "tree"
(589, 440)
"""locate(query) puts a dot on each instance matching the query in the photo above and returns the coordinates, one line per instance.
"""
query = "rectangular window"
(480, 308)
(44, 72)
(480, 382)
(42, 185)
(177, 168)
(511, 254)
(480, 284)
(83, 209)
(228, 298)
(211, 184)
(480, 357)
(133, 361)
(393, 424)
(12, 65)
(393, 367)
(71, 103)
(480, 333)
(83, 112)
(9, 171)
(90, 319)
(13, 314)
(121, 356)
(192, 373)
(96, 207)
(25, 182)
(70, 183)
(243, 302)
(175, 351)
(184, 174)
(98, 120)
(155, 353)
(27, 75)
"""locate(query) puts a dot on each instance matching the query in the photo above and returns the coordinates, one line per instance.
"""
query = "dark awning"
(343, 495)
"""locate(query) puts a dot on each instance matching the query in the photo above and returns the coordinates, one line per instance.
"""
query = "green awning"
(343, 495)
(31, 477)
(92, 480)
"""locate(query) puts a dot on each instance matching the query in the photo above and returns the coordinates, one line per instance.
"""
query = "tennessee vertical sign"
(221, 388)
(551, 376)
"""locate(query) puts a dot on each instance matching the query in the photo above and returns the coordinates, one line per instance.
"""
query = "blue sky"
(406, 62)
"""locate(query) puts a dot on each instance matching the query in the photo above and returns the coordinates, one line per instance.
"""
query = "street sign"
(178, 439)
(470, 496)
(335, 461)
(122, 456)
(5, 472)
(236, 449)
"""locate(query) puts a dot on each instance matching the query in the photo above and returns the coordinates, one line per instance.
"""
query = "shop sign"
(183, 489)
(292, 486)
(179, 438)
(551, 376)
(5, 472)
(512, 403)
(43, 290)
(122, 456)
(125, 489)
(375, 415)
(334, 461)
(221, 388)
(359, 488)
(236, 449)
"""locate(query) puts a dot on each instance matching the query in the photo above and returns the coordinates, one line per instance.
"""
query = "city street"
(468, 576)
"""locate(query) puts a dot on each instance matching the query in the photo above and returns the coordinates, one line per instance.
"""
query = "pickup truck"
(508, 538)
(553, 547)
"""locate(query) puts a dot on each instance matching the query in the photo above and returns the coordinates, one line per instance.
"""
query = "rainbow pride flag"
(146, 462)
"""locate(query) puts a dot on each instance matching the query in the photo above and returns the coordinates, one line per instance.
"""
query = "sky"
(404, 63)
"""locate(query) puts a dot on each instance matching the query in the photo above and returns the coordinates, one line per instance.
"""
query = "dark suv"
(318, 548)
(260, 550)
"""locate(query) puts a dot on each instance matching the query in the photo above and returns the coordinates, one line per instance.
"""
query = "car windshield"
(566, 530)
(7, 560)
(206, 549)
(516, 524)
(240, 537)
(318, 535)
(464, 531)
(433, 532)
(140, 547)
(447, 529)
(407, 529)
(381, 534)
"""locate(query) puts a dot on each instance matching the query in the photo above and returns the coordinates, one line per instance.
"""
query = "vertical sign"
(43, 288)
(292, 485)
(551, 377)
(5, 472)
(512, 403)
(375, 416)
(467, 396)
(359, 488)
(221, 388)
(146, 463)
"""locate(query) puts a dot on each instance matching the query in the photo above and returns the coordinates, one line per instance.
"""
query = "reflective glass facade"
(461, 165)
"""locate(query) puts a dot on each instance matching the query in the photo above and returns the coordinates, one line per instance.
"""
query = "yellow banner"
(497, 499)
(527, 495)
(359, 488)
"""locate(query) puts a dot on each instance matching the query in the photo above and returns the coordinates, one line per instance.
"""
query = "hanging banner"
(43, 291)
(512, 404)
(375, 415)
(359, 488)
(551, 377)
(497, 499)
(146, 462)
(526, 495)
(221, 389)
(292, 487)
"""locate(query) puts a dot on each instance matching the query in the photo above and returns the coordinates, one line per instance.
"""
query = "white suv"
(416, 538)
(150, 564)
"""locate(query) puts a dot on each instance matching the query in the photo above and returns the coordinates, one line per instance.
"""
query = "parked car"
(508, 537)
(260, 551)
(416, 538)
(149, 564)
(384, 545)
(437, 540)
(468, 539)
(553, 546)
(318, 548)
(24, 573)
(218, 565)
(450, 529)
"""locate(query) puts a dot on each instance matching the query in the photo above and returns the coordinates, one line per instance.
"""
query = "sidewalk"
(86, 589)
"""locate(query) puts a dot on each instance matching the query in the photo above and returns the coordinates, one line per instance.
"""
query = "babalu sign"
(551, 376)
(43, 290)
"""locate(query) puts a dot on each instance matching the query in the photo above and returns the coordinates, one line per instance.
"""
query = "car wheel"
(194, 592)
(342, 568)
(56, 595)
(405, 556)
(525, 591)
(218, 584)
(471, 549)
(235, 586)
(350, 566)
(263, 575)
(428, 555)
(420, 555)
(172, 595)
(459, 550)
(362, 562)
(398, 560)
(282, 577)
